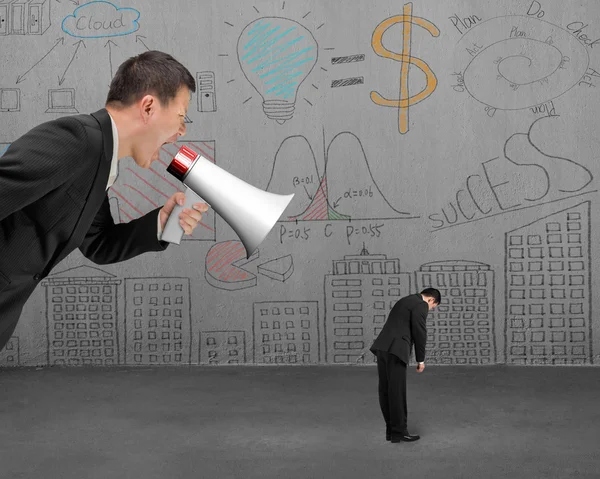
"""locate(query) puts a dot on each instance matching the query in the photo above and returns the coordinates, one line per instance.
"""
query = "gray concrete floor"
(297, 422)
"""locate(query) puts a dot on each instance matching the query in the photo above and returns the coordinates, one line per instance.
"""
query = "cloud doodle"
(100, 19)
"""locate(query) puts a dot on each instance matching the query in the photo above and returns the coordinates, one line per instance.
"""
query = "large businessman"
(54, 180)
(406, 325)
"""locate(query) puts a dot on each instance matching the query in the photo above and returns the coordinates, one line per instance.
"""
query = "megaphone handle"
(173, 232)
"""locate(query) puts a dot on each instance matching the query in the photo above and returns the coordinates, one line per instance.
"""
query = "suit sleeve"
(418, 327)
(107, 242)
(40, 161)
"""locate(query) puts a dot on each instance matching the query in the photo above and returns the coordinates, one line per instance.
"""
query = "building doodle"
(286, 332)
(10, 355)
(548, 289)
(222, 347)
(461, 329)
(158, 328)
(82, 317)
(358, 297)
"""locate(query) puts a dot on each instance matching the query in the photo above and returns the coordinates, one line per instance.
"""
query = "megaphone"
(250, 211)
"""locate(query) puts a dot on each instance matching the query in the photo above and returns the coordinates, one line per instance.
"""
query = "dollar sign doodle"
(406, 59)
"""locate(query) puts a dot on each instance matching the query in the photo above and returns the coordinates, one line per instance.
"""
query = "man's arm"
(418, 330)
(107, 242)
(40, 161)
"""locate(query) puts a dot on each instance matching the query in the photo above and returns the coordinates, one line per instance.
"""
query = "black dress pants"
(392, 391)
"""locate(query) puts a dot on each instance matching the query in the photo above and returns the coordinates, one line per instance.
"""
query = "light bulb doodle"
(276, 55)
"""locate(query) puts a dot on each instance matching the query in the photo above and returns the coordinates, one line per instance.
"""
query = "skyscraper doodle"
(548, 289)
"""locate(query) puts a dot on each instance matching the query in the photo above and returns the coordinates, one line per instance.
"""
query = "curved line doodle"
(515, 62)
(406, 59)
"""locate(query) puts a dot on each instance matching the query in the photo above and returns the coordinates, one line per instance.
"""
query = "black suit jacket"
(52, 200)
(406, 324)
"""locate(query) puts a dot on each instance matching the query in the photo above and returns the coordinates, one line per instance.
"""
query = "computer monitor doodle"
(10, 99)
(61, 101)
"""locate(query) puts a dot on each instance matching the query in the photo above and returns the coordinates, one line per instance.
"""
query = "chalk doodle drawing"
(286, 332)
(158, 321)
(276, 55)
(516, 62)
(358, 297)
(548, 267)
(323, 198)
(225, 266)
(222, 347)
(10, 355)
(30, 17)
(141, 190)
(279, 269)
(100, 19)
(10, 99)
(61, 100)
(21, 77)
(406, 58)
(207, 98)
(90, 21)
(542, 178)
(82, 317)
(351, 81)
(461, 329)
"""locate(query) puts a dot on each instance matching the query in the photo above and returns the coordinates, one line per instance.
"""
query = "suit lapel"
(98, 190)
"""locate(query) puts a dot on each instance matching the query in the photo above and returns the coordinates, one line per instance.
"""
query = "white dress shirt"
(114, 168)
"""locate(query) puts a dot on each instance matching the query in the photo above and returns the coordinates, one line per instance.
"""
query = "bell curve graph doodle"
(335, 195)
(138, 191)
(406, 58)
(516, 62)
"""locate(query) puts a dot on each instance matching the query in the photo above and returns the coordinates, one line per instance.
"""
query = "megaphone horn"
(250, 211)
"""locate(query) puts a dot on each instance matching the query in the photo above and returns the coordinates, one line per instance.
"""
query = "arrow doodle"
(405, 58)
(20, 78)
(62, 79)
(138, 38)
(109, 44)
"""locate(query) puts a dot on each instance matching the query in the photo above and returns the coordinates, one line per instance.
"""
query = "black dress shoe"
(388, 436)
(405, 437)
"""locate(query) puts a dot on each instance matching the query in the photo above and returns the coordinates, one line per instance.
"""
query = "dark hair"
(432, 293)
(151, 72)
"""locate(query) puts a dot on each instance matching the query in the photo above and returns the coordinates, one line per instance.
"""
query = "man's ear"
(147, 106)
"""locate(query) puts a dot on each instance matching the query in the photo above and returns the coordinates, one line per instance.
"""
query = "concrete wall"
(468, 164)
